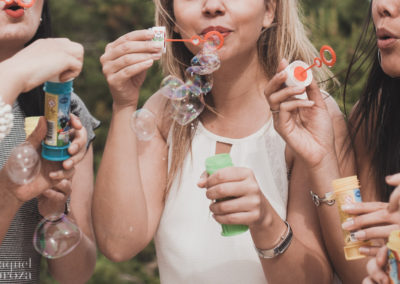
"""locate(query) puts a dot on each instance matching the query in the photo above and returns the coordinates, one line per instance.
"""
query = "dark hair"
(377, 113)
(32, 102)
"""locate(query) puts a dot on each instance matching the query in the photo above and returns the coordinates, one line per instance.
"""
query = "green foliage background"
(94, 23)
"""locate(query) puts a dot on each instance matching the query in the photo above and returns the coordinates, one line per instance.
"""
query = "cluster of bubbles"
(56, 235)
(186, 97)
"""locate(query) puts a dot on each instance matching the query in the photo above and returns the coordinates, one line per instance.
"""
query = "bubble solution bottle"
(393, 266)
(213, 164)
(347, 191)
(57, 109)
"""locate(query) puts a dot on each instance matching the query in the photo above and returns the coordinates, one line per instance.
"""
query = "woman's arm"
(306, 258)
(317, 135)
(130, 185)
(77, 266)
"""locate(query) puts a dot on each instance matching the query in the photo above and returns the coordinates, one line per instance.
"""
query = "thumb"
(314, 94)
(38, 134)
(282, 65)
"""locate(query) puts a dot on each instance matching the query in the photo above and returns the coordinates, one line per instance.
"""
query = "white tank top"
(189, 245)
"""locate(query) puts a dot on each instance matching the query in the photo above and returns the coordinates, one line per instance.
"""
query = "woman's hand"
(394, 201)
(52, 201)
(304, 124)
(77, 149)
(44, 59)
(51, 173)
(375, 268)
(125, 63)
(241, 200)
(374, 222)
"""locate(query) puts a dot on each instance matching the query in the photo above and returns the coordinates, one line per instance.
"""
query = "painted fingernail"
(349, 222)
(347, 207)
(363, 250)
(360, 235)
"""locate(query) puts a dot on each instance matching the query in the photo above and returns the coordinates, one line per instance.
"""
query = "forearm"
(9, 82)
(9, 206)
(302, 262)
(321, 183)
(119, 205)
(76, 267)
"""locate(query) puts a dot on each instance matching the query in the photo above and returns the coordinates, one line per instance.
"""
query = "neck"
(238, 82)
(8, 50)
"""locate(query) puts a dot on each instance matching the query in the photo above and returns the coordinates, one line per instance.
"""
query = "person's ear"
(270, 9)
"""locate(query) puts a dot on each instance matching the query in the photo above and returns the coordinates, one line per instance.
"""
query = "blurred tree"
(94, 23)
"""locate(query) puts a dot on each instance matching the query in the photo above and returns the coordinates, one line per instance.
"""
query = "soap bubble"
(168, 86)
(56, 236)
(188, 109)
(23, 164)
(143, 123)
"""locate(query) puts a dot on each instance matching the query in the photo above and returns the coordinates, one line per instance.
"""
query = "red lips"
(14, 10)
(222, 30)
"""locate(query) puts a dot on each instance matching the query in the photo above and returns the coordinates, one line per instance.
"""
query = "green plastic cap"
(217, 162)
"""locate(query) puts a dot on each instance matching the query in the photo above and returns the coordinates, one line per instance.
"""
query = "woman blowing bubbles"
(147, 190)
(375, 136)
(27, 60)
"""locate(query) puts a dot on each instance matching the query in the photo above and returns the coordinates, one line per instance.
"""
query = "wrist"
(124, 107)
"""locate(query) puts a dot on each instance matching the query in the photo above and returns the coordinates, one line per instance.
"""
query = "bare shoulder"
(159, 106)
(333, 107)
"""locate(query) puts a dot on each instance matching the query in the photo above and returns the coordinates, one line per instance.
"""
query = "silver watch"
(280, 248)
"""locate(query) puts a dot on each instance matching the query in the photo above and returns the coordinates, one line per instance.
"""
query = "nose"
(387, 8)
(212, 8)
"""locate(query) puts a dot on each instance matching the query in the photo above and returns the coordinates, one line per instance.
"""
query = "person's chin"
(392, 70)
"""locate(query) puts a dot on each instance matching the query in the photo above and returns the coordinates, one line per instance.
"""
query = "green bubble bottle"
(213, 164)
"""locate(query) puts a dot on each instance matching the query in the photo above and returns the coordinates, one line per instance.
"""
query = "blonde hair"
(286, 38)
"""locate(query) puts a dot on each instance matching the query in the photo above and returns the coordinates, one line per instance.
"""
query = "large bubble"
(56, 236)
(143, 123)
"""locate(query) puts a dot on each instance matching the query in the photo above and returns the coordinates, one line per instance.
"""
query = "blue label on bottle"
(357, 195)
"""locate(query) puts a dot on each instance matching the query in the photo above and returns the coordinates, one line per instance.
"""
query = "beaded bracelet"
(6, 119)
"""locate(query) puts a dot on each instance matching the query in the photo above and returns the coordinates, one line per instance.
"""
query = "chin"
(392, 70)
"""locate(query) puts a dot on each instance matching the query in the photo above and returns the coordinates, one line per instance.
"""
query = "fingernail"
(363, 250)
(389, 178)
(53, 175)
(73, 148)
(360, 235)
(156, 56)
(349, 222)
(347, 207)
(298, 89)
(281, 74)
(158, 44)
(68, 163)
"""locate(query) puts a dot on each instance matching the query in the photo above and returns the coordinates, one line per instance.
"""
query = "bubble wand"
(299, 73)
(23, 3)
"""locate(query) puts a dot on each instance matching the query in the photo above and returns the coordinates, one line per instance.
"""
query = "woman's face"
(386, 16)
(239, 21)
(18, 26)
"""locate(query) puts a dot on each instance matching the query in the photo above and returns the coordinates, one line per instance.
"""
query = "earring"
(379, 57)
(41, 19)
